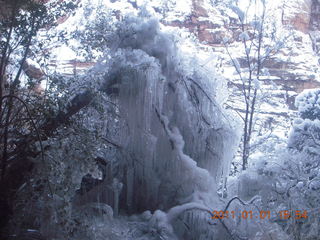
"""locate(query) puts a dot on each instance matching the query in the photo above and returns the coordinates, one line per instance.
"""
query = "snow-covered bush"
(45, 202)
(308, 104)
(305, 135)
(302, 166)
(289, 178)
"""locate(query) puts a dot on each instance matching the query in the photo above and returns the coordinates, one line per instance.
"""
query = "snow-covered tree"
(22, 105)
(260, 40)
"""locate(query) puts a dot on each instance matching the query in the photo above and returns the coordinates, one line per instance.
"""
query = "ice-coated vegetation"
(178, 132)
(176, 138)
(154, 139)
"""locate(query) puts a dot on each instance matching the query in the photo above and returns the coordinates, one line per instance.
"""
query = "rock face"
(294, 69)
(314, 26)
(297, 13)
(315, 16)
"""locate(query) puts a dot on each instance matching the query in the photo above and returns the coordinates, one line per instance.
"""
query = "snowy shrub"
(300, 180)
(308, 104)
(297, 189)
(289, 178)
(50, 192)
(305, 136)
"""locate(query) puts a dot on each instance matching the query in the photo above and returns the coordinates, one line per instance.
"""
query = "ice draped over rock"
(176, 139)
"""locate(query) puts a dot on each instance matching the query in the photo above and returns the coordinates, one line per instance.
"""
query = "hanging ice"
(178, 138)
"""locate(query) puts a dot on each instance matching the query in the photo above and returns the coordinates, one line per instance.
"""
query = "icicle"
(116, 187)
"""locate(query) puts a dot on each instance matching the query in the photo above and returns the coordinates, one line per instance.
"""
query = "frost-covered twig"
(208, 97)
(112, 143)
(316, 142)
(241, 201)
(36, 129)
(195, 101)
(235, 111)
(251, 202)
